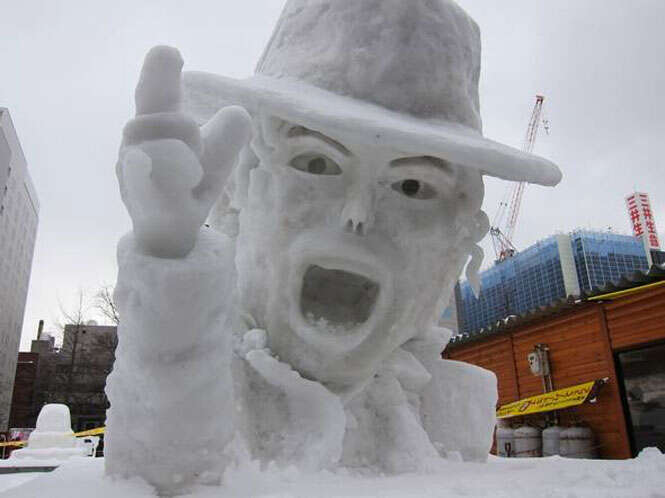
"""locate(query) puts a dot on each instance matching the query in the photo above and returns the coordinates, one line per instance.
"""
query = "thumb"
(224, 136)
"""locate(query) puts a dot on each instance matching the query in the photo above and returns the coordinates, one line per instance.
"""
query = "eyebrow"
(450, 171)
(301, 131)
(435, 162)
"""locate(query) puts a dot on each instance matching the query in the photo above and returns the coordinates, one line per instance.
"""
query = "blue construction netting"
(534, 277)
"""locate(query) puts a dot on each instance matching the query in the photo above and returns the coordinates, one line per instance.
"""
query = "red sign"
(641, 219)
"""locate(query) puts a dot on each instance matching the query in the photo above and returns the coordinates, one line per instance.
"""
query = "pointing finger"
(160, 86)
(224, 136)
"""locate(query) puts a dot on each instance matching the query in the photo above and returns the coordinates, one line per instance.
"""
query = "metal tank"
(505, 441)
(528, 442)
(551, 440)
(577, 442)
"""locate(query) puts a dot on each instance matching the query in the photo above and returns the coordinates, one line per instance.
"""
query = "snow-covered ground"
(554, 477)
(9, 481)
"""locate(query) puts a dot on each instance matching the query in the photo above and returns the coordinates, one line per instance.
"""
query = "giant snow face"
(345, 249)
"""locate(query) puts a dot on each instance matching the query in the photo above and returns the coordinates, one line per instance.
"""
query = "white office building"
(19, 215)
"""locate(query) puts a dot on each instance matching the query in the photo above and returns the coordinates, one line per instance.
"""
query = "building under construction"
(559, 266)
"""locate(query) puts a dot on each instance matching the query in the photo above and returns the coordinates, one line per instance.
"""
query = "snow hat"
(394, 72)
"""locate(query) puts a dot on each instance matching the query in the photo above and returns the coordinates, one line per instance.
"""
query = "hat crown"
(420, 57)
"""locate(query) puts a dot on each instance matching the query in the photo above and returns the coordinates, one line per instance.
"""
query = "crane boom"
(505, 221)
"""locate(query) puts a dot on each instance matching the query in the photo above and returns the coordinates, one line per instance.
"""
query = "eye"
(414, 189)
(315, 164)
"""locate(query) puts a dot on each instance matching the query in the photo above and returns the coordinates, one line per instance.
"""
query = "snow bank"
(553, 477)
(8, 481)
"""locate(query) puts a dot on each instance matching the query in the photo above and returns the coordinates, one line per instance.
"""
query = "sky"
(69, 69)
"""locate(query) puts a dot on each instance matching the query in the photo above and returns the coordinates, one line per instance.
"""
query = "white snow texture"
(555, 477)
(304, 335)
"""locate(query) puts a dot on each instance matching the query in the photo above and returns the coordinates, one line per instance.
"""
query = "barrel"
(577, 442)
(551, 440)
(528, 442)
(505, 441)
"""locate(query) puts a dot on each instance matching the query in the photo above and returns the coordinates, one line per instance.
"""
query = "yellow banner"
(90, 432)
(13, 443)
(556, 400)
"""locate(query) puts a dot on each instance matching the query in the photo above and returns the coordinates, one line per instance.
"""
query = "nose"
(358, 211)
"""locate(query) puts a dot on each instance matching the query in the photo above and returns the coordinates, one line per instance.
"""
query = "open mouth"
(337, 300)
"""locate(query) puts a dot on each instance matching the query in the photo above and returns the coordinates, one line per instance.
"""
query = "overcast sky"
(69, 68)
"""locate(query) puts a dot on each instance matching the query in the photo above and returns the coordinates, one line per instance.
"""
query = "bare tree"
(105, 305)
(77, 315)
(76, 318)
(86, 356)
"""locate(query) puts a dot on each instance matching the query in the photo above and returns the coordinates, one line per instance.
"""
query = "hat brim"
(303, 104)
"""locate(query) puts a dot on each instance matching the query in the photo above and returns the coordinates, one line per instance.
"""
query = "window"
(642, 372)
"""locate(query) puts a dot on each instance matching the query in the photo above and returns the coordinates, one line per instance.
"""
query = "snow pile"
(458, 408)
(553, 477)
(53, 437)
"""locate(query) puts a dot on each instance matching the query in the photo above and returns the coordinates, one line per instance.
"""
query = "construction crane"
(503, 226)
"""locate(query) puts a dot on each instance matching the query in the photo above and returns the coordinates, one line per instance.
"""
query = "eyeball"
(414, 189)
(315, 164)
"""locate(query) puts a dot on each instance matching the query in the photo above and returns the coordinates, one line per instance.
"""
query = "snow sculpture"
(301, 325)
(53, 437)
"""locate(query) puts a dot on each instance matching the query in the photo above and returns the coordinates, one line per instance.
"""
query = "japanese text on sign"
(642, 220)
(555, 400)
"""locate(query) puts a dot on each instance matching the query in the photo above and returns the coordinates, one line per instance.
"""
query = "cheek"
(414, 227)
(426, 237)
(427, 259)
(303, 202)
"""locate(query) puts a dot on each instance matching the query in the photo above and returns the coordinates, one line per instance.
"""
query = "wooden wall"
(579, 352)
(636, 320)
(495, 355)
